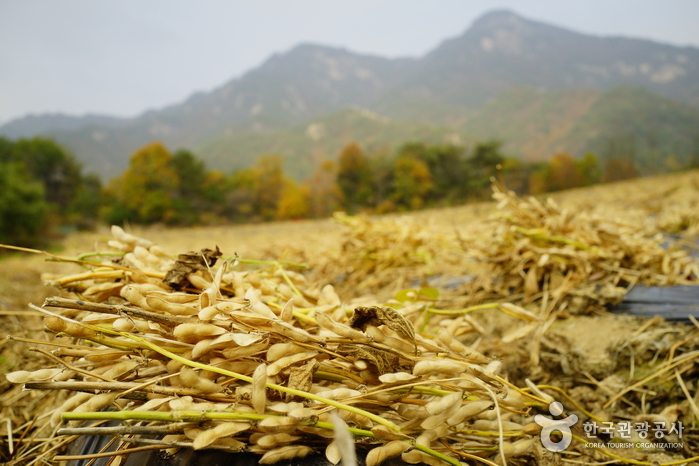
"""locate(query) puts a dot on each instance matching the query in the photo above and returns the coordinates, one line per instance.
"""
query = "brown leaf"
(301, 378)
(387, 316)
(188, 263)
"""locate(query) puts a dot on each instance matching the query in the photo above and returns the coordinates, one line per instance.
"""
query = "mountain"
(305, 145)
(502, 50)
(502, 63)
(32, 125)
(536, 124)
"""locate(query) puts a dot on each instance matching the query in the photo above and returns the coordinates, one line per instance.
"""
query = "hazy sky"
(121, 57)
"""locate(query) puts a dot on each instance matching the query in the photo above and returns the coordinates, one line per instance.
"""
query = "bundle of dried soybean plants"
(386, 254)
(575, 259)
(208, 355)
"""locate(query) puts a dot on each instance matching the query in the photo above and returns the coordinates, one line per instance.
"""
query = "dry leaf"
(188, 263)
(387, 316)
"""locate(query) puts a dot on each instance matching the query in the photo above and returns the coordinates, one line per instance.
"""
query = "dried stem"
(82, 262)
(682, 359)
(115, 386)
(69, 367)
(128, 430)
(106, 454)
(117, 309)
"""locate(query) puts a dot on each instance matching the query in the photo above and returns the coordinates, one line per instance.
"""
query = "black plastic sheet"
(674, 303)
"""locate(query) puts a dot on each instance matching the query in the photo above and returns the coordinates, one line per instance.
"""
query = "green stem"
(288, 280)
(436, 454)
(258, 262)
(353, 430)
(536, 234)
(462, 311)
(99, 253)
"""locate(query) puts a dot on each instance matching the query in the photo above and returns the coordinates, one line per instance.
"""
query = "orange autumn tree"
(412, 182)
(268, 185)
(325, 194)
(563, 172)
(144, 192)
(295, 201)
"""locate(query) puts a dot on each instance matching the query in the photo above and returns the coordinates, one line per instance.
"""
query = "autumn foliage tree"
(324, 192)
(448, 168)
(355, 178)
(589, 169)
(412, 182)
(145, 192)
(295, 201)
(268, 185)
(617, 168)
(563, 173)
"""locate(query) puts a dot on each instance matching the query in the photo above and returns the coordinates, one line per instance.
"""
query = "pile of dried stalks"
(569, 260)
(204, 351)
(387, 254)
(209, 356)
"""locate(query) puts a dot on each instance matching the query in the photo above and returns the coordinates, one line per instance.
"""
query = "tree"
(620, 158)
(381, 164)
(563, 173)
(22, 206)
(73, 198)
(483, 165)
(354, 178)
(54, 167)
(538, 179)
(589, 169)
(145, 191)
(448, 168)
(189, 199)
(269, 185)
(295, 201)
(412, 182)
(240, 195)
(85, 208)
(325, 194)
(517, 175)
(619, 168)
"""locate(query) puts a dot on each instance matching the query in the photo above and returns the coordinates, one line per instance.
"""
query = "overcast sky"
(122, 57)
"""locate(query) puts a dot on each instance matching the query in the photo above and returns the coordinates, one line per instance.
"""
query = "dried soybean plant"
(385, 254)
(539, 252)
(205, 354)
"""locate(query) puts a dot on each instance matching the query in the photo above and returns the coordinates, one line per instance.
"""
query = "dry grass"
(602, 367)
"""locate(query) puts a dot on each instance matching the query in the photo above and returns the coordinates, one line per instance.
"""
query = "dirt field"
(590, 355)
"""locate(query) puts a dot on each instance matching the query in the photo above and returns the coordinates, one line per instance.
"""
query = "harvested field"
(440, 336)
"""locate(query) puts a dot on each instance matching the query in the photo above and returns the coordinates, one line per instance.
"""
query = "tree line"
(43, 190)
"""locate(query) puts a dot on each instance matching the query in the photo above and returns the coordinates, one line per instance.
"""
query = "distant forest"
(44, 192)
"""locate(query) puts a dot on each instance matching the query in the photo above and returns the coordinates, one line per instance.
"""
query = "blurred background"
(216, 112)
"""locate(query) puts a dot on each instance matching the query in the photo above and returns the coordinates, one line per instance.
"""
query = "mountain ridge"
(446, 87)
